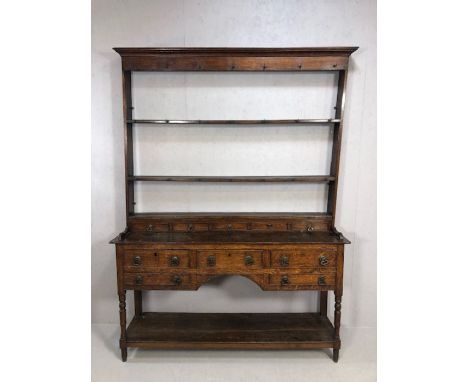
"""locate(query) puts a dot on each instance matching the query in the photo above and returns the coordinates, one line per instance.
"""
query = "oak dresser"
(277, 251)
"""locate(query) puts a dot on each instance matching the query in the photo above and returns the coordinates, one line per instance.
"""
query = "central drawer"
(230, 260)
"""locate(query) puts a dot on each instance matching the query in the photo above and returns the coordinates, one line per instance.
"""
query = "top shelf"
(275, 52)
(233, 122)
(235, 59)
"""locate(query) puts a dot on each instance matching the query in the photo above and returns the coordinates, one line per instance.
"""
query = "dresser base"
(230, 331)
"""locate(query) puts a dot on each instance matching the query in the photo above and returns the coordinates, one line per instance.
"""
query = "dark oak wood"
(128, 139)
(235, 59)
(276, 251)
(230, 331)
(236, 237)
(236, 179)
(323, 303)
(337, 134)
(138, 298)
(235, 121)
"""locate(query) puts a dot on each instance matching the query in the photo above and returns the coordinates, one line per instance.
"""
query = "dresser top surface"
(319, 237)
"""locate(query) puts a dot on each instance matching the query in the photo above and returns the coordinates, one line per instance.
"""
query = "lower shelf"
(230, 331)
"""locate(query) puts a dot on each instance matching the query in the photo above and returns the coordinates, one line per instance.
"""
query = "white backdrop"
(216, 150)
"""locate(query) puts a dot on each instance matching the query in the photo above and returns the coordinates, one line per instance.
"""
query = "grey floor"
(357, 362)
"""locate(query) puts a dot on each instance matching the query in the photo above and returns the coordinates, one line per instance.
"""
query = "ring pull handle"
(323, 261)
(284, 280)
(174, 261)
(176, 279)
(321, 280)
(248, 260)
(284, 261)
(136, 260)
(211, 260)
(139, 280)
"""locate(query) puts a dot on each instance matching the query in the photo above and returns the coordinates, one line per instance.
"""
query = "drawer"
(195, 227)
(142, 226)
(158, 280)
(230, 260)
(324, 257)
(293, 281)
(228, 226)
(268, 226)
(148, 261)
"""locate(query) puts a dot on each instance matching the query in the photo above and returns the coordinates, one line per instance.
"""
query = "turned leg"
(336, 353)
(138, 302)
(123, 324)
(323, 303)
(336, 348)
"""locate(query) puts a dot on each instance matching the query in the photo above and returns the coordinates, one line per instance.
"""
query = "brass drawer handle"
(139, 280)
(323, 261)
(284, 261)
(136, 260)
(321, 280)
(284, 280)
(176, 279)
(174, 261)
(248, 260)
(211, 260)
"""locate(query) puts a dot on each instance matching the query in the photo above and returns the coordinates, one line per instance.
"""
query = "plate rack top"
(235, 59)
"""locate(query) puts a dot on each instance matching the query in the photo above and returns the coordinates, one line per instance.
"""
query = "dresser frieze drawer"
(170, 280)
(314, 257)
(243, 260)
(229, 226)
(153, 260)
(297, 281)
(150, 227)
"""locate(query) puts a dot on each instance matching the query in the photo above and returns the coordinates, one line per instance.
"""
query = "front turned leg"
(123, 325)
(337, 346)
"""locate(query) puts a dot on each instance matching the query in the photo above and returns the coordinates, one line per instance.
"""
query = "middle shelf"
(236, 179)
(233, 121)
